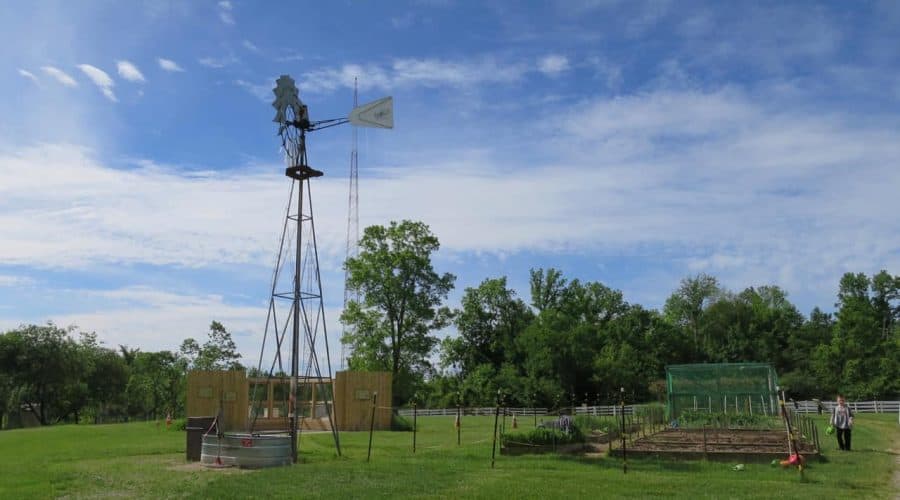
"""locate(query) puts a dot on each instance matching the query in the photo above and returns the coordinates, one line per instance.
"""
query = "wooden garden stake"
(496, 418)
(372, 425)
(624, 451)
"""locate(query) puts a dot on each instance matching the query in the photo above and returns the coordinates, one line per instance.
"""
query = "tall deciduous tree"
(488, 323)
(47, 367)
(218, 353)
(401, 302)
(686, 305)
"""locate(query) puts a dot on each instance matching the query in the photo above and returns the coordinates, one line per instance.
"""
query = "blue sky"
(633, 143)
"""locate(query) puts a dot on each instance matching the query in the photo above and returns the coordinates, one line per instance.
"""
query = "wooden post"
(372, 425)
(705, 455)
(624, 447)
(270, 395)
(458, 424)
(496, 418)
(816, 438)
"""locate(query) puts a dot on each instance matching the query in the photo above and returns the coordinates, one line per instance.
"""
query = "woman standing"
(842, 420)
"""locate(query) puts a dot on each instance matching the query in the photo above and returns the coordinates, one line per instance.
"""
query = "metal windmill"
(302, 290)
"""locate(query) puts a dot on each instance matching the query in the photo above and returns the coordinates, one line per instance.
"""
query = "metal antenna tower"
(352, 220)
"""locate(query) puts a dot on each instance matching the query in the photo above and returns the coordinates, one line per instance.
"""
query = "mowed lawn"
(139, 460)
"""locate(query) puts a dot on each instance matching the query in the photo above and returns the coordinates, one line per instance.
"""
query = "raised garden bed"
(717, 444)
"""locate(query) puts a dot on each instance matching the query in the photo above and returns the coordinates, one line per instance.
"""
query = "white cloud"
(60, 76)
(410, 72)
(217, 62)
(100, 79)
(720, 180)
(403, 21)
(169, 65)
(29, 75)
(250, 46)
(553, 65)
(225, 9)
(129, 71)
(289, 56)
(7, 280)
(261, 91)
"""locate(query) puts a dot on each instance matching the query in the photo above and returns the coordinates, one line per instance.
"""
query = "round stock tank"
(246, 450)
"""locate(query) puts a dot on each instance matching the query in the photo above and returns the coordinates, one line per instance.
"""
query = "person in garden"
(842, 420)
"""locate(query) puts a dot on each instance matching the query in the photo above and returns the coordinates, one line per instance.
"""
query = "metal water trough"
(246, 450)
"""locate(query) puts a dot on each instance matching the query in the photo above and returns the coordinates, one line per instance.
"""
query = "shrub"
(401, 424)
(542, 436)
(696, 418)
(592, 423)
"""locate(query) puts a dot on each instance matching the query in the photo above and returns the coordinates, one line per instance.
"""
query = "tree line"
(65, 375)
(572, 342)
(580, 342)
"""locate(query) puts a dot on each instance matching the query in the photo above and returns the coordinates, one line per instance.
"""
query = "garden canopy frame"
(749, 388)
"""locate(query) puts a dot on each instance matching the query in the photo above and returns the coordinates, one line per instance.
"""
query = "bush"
(697, 418)
(591, 423)
(400, 424)
(542, 436)
(652, 412)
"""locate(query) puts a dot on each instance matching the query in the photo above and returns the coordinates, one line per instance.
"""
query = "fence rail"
(797, 406)
(521, 412)
(856, 406)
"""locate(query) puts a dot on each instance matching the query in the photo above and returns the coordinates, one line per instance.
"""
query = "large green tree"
(401, 303)
(47, 367)
(219, 352)
(686, 306)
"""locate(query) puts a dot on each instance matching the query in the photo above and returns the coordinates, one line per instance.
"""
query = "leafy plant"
(543, 436)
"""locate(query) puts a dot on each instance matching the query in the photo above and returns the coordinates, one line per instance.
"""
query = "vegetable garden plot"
(727, 444)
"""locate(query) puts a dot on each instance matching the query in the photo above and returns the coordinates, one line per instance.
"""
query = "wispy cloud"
(29, 75)
(250, 46)
(100, 79)
(60, 76)
(169, 65)
(225, 12)
(403, 21)
(262, 91)
(553, 65)
(409, 72)
(218, 62)
(289, 56)
(129, 71)
(7, 280)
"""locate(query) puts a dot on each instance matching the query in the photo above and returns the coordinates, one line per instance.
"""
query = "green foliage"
(543, 436)
(400, 423)
(219, 352)
(698, 418)
(401, 297)
(590, 423)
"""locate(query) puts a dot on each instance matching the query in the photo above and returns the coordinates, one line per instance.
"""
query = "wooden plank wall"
(353, 400)
(208, 390)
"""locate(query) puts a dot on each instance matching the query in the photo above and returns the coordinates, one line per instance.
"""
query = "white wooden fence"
(797, 406)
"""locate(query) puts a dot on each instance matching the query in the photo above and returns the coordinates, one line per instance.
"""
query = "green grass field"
(138, 460)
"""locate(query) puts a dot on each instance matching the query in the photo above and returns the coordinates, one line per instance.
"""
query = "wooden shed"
(207, 391)
(353, 392)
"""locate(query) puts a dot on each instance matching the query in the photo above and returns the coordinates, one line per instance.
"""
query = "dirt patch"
(197, 467)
